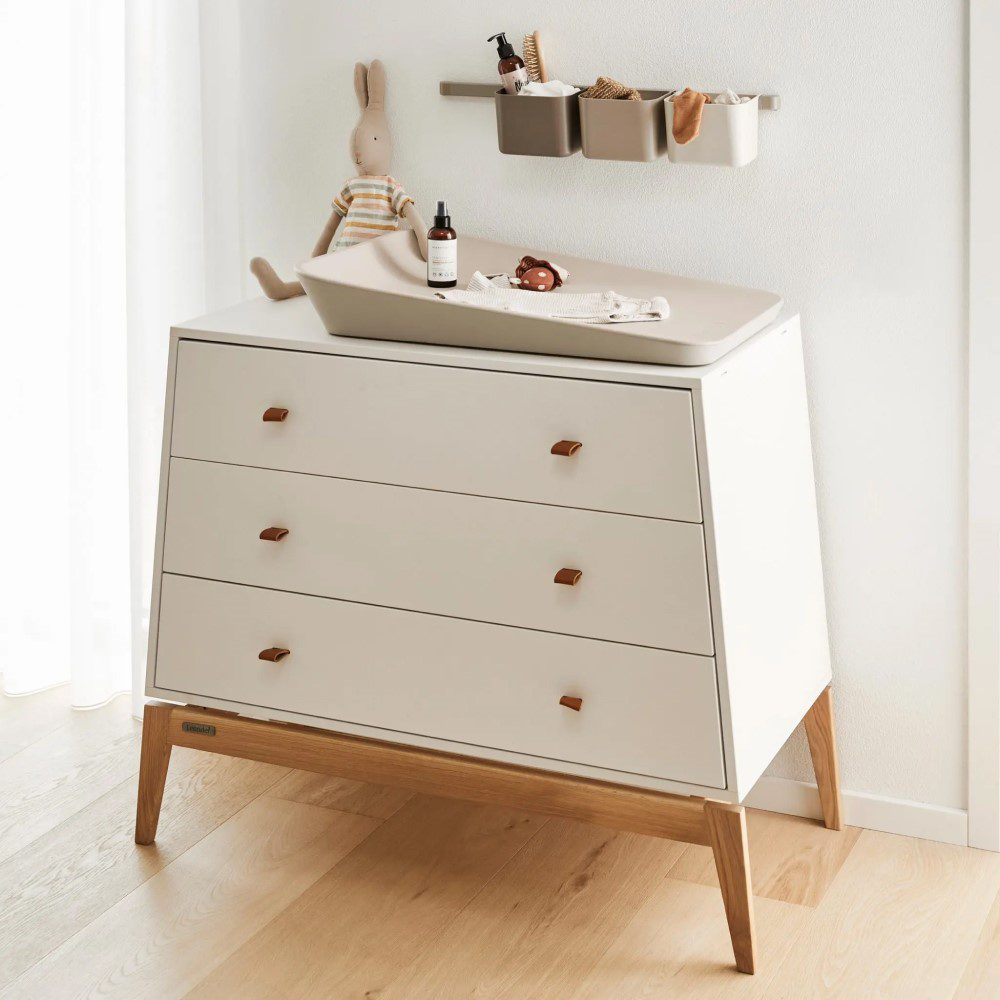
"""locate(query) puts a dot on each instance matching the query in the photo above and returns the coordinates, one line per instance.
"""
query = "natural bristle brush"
(534, 58)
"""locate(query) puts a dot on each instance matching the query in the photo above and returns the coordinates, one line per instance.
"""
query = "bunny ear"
(376, 86)
(361, 84)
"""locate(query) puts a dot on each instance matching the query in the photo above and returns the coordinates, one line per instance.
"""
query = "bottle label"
(514, 80)
(442, 260)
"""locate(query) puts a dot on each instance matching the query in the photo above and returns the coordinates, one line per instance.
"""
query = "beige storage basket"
(538, 126)
(624, 130)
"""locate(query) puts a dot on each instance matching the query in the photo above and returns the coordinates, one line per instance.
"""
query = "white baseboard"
(873, 812)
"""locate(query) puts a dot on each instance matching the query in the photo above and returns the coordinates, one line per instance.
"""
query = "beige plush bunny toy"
(370, 204)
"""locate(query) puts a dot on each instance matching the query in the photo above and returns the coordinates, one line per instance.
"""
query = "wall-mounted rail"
(451, 88)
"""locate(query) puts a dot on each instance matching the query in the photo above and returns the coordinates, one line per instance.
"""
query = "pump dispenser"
(442, 251)
(511, 66)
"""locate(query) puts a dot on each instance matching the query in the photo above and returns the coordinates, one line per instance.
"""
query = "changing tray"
(378, 289)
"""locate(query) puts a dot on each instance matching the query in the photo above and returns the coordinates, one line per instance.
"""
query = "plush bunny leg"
(412, 216)
(272, 286)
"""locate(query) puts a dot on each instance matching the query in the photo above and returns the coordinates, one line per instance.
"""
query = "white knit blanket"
(579, 307)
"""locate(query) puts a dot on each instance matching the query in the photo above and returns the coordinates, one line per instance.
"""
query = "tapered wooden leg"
(823, 748)
(153, 764)
(727, 830)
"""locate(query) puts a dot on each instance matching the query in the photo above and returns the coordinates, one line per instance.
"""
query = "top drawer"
(453, 429)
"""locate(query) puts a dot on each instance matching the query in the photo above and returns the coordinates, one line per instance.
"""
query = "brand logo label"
(198, 727)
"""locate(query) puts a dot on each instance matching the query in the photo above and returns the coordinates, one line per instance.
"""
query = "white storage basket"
(728, 135)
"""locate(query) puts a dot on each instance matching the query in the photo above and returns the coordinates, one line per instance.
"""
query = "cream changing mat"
(580, 307)
(379, 289)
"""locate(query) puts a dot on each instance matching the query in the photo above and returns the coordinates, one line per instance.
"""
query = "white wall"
(854, 212)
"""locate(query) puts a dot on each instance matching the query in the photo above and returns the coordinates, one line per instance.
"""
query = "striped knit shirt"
(370, 206)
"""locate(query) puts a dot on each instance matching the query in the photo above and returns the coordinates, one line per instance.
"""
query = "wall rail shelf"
(636, 130)
(451, 88)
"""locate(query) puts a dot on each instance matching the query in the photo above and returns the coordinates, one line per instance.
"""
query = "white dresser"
(603, 569)
(585, 588)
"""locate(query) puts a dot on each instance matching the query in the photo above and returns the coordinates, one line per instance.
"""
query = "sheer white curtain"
(104, 245)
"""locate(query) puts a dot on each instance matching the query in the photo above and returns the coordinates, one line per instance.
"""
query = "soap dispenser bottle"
(442, 251)
(512, 72)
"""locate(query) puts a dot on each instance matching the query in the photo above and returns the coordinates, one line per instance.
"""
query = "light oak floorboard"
(886, 916)
(981, 980)
(900, 920)
(56, 885)
(163, 937)
(27, 719)
(58, 775)
(546, 918)
(341, 793)
(793, 860)
(677, 945)
(362, 924)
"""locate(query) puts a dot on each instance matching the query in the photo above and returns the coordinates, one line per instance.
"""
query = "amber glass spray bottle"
(442, 251)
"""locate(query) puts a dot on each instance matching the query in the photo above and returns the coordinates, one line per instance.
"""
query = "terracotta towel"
(608, 89)
(687, 114)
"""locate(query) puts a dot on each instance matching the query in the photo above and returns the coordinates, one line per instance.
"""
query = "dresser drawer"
(644, 711)
(451, 429)
(643, 580)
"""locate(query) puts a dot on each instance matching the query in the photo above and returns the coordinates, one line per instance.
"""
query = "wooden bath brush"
(534, 58)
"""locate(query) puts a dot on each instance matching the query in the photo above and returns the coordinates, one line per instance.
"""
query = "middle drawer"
(643, 580)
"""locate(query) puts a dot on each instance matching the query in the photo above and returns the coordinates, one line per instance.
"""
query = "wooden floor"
(272, 883)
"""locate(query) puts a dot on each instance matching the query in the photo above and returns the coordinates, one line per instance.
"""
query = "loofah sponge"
(612, 90)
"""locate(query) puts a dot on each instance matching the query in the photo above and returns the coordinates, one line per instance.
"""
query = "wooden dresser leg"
(153, 764)
(727, 829)
(823, 748)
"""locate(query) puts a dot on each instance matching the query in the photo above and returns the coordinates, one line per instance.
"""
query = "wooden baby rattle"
(371, 203)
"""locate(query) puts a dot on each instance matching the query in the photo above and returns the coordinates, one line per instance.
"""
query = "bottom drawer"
(645, 711)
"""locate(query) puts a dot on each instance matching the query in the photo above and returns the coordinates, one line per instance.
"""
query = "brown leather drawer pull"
(273, 534)
(566, 448)
(273, 655)
(275, 414)
(570, 702)
(569, 577)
